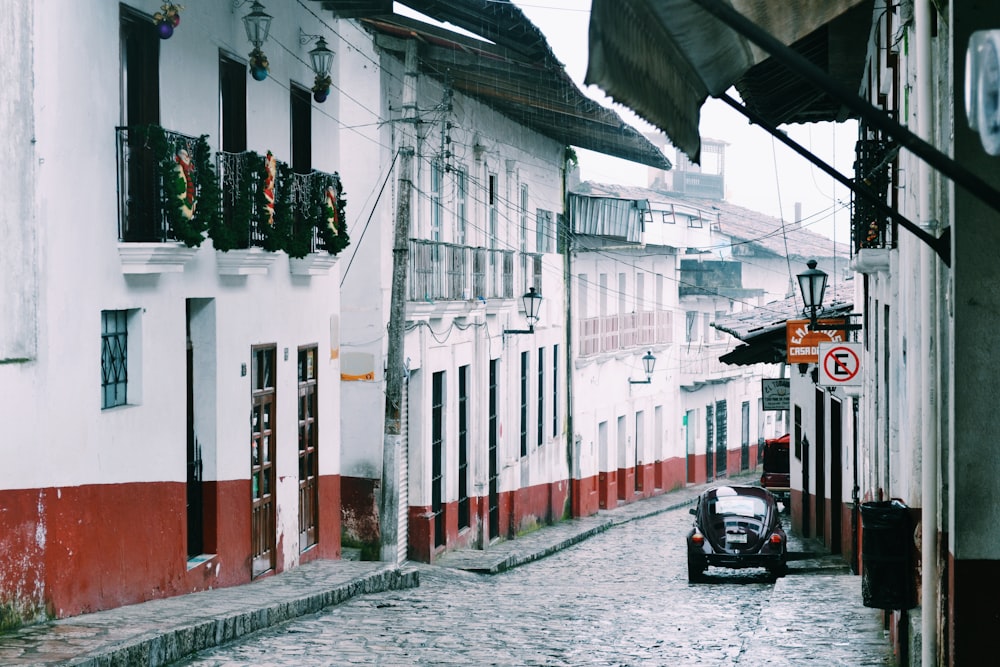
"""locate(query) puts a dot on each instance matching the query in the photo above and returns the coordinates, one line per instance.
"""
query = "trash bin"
(886, 547)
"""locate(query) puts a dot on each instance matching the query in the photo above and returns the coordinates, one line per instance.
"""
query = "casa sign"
(802, 344)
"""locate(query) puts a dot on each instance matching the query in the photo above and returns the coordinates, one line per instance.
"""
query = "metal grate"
(114, 358)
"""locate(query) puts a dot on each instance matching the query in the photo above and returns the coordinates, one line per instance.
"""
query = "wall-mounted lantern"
(532, 301)
(648, 363)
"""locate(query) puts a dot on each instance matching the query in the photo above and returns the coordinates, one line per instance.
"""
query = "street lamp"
(531, 301)
(812, 282)
(648, 362)
(257, 24)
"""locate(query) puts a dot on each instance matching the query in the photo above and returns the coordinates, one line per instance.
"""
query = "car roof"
(738, 490)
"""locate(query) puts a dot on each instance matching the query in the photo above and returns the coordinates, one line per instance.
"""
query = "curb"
(176, 643)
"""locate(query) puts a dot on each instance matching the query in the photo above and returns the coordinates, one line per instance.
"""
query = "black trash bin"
(886, 548)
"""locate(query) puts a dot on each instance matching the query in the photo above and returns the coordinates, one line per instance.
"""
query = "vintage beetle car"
(736, 527)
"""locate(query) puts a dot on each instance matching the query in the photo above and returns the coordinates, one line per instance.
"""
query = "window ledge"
(139, 258)
(250, 261)
(313, 264)
(871, 260)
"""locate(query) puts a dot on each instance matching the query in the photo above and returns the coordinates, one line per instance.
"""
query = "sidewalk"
(163, 631)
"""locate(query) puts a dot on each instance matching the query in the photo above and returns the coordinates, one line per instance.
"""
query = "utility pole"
(388, 508)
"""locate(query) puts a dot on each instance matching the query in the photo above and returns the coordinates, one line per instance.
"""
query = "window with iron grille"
(524, 220)
(114, 358)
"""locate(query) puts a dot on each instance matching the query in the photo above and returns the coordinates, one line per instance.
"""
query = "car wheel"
(778, 570)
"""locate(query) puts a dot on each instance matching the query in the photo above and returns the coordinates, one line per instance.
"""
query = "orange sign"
(802, 345)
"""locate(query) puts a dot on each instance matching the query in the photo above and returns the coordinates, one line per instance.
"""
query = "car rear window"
(741, 505)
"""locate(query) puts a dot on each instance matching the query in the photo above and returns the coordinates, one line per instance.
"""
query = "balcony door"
(140, 105)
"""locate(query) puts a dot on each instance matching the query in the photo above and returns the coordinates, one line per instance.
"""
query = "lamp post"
(257, 24)
(812, 282)
(532, 301)
(648, 363)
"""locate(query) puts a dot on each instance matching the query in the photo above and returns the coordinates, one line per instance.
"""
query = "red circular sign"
(841, 364)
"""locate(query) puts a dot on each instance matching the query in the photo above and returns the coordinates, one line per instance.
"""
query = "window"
(690, 328)
(541, 396)
(301, 122)
(461, 212)
(545, 234)
(555, 391)
(524, 404)
(437, 209)
(114, 358)
(524, 220)
(719, 314)
(232, 104)
(706, 322)
(491, 203)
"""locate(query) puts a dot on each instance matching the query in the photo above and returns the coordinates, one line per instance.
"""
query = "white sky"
(761, 173)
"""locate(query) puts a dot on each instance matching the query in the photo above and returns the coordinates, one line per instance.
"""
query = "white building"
(171, 410)
(483, 452)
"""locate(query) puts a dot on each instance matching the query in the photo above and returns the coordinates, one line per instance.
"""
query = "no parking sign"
(839, 364)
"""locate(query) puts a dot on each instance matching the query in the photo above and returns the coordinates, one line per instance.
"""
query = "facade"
(171, 406)
(924, 225)
(691, 262)
(483, 452)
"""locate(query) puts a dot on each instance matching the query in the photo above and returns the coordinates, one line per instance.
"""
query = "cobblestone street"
(619, 598)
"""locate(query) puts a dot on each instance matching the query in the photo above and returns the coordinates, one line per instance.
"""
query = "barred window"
(114, 358)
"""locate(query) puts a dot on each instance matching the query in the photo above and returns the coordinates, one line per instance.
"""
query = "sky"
(761, 173)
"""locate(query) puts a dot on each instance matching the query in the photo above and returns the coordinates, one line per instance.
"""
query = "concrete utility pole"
(388, 508)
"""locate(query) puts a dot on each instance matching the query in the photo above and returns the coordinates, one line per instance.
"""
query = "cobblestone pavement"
(606, 590)
(620, 598)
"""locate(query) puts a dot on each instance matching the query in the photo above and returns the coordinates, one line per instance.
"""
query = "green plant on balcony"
(189, 192)
(257, 211)
(332, 220)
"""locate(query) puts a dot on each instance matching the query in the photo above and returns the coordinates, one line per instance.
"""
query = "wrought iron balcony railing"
(873, 167)
(147, 157)
(611, 333)
(447, 272)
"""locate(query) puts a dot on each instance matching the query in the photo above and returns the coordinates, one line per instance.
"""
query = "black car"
(736, 527)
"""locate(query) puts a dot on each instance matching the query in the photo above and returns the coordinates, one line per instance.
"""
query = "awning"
(663, 58)
(509, 67)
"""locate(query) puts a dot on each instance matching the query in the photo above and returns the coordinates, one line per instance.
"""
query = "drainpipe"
(563, 238)
(929, 343)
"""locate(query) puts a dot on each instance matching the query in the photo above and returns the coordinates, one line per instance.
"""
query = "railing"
(871, 228)
(304, 189)
(241, 180)
(142, 163)
(447, 272)
(623, 332)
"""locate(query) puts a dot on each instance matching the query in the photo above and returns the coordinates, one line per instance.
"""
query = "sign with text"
(840, 364)
(802, 345)
(775, 393)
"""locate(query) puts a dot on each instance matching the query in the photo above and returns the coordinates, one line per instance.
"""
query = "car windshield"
(741, 505)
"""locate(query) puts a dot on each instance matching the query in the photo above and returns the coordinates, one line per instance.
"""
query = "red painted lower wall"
(525, 509)
(73, 550)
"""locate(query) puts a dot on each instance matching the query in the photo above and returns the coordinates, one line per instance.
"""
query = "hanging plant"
(259, 67)
(231, 230)
(168, 18)
(321, 88)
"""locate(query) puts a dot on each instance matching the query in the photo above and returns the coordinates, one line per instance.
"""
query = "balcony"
(161, 176)
(447, 272)
(871, 229)
(172, 194)
(612, 333)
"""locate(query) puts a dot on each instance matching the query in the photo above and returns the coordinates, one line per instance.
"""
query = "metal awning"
(663, 58)
(510, 67)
